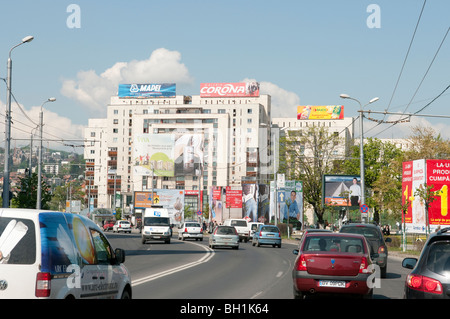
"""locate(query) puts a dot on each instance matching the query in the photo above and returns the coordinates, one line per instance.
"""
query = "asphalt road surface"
(191, 270)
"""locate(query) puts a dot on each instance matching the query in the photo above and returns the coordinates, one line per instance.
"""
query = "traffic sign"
(364, 208)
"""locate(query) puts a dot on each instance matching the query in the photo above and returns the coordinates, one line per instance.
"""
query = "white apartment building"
(235, 132)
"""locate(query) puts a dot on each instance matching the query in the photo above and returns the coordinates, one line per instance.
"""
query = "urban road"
(191, 270)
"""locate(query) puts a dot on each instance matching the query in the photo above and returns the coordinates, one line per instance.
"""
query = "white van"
(241, 226)
(46, 254)
(156, 225)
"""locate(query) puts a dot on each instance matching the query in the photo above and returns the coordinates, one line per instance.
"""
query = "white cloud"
(94, 91)
(58, 132)
(284, 103)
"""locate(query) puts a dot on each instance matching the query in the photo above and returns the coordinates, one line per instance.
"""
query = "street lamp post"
(39, 184)
(361, 144)
(5, 195)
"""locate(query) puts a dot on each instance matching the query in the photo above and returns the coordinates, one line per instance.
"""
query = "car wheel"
(253, 243)
(383, 272)
(126, 295)
(298, 294)
(236, 247)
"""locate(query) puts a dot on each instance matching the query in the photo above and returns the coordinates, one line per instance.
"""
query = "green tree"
(307, 155)
(27, 194)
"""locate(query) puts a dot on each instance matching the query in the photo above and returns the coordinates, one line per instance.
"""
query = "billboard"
(233, 198)
(172, 199)
(420, 173)
(245, 89)
(322, 112)
(188, 153)
(147, 90)
(154, 154)
(342, 190)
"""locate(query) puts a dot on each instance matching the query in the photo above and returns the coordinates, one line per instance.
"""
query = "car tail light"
(185, 230)
(43, 284)
(260, 234)
(364, 268)
(301, 263)
(381, 250)
(424, 284)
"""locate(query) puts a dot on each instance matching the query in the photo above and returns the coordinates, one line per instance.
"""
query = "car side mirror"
(409, 263)
(120, 255)
(388, 240)
(295, 251)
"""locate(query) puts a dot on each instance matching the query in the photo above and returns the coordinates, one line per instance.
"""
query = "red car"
(333, 263)
(108, 225)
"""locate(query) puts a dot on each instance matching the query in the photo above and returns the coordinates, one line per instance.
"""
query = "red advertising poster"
(217, 192)
(234, 198)
(407, 189)
(246, 89)
(438, 175)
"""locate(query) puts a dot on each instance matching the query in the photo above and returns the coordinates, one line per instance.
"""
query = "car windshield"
(438, 260)
(239, 223)
(226, 230)
(156, 221)
(368, 232)
(333, 244)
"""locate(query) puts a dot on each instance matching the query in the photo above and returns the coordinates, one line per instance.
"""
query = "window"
(103, 250)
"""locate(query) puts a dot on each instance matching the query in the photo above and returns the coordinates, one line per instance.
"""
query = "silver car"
(224, 236)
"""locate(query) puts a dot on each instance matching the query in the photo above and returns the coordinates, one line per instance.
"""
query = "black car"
(375, 238)
(430, 278)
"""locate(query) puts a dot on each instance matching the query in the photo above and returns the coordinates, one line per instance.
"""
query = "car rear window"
(368, 232)
(333, 244)
(17, 241)
(270, 229)
(239, 223)
(192, 225)
(438, 260)
(226, 231)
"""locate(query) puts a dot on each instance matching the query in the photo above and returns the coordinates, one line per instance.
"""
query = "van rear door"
(19, 257)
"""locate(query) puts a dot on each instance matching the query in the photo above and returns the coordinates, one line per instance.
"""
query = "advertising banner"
(147, 90)
(172, 199)
(233, 197)
(323, 112)
(342, 190)
(247, 89)
(188, 153)
(438, 175)
(215, 206)
(154, 154)
(422, 173)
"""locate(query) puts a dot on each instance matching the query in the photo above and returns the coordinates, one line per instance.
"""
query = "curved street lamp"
(39, 185)
(361, 147)
(5, 195)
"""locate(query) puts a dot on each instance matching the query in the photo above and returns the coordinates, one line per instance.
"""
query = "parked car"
(376, 241)
(55, 255)
(225, 236)
(190, 230)
(253, 226)
(108, 225)
(333, 263)
(267, 235)
(430, 275)
(122, 226)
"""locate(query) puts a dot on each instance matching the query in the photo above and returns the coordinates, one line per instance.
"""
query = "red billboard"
(438, 175)
(247, 89)
(234, 198)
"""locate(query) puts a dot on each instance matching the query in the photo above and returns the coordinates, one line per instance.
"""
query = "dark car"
(333, 263)
(375, 239)
(430, 277)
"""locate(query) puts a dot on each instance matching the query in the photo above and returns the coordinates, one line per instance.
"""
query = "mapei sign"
(147, 90)
(247, 89)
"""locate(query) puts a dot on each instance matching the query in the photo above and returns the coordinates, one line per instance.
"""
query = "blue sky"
(302, 52)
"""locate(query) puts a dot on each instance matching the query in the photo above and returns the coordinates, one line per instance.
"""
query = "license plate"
(332, 283)
(269, 235)
(157, 237)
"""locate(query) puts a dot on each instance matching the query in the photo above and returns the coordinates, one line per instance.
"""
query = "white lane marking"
(279, 274)
(204, 259)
